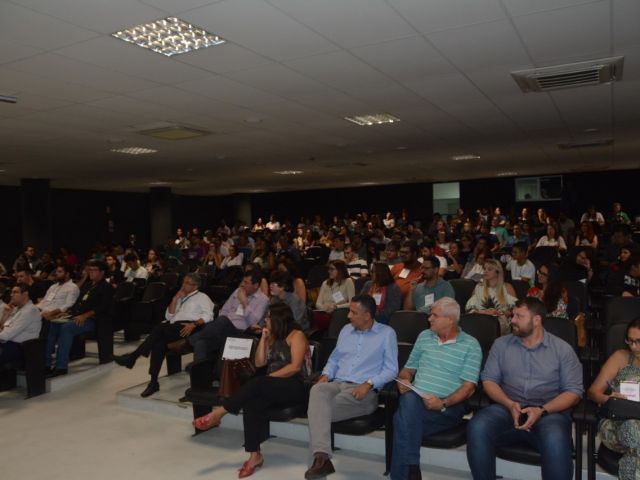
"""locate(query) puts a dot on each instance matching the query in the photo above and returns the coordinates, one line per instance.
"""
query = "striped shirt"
(441, 368)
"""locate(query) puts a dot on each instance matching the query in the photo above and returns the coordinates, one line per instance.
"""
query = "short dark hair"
(282, 279)
(367, 302)
(520, 246)
(256, 276)
(195, 278)
(534, 305)
(26, 270)
(130, 257)
(413, 246)
(635, 323)
(99, 264)
(435, 263)
(66, 267)
(24, 288)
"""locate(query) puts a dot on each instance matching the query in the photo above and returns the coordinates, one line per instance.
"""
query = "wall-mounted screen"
(539, 189)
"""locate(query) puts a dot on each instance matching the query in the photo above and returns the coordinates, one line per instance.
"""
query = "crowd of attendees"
(382, 263)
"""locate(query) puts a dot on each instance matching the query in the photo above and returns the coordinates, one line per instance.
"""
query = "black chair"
(359, 283)
(544, 255)
(317, 274)
(123, 299)
(463, 289)
(149, 311)
(408, 324)
(484, 328)
(171, 280)
(563, 328)
(33, 367)
(622, 310)
(339, 318)
(521, 287)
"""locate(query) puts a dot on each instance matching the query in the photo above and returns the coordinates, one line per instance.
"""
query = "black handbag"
(620, 409)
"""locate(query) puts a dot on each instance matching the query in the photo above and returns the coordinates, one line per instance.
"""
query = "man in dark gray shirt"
(534, 378)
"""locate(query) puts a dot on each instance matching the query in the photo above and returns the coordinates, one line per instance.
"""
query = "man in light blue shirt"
(364, 360)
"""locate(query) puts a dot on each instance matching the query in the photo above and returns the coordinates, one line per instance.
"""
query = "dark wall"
(11, 236)
(417, 198)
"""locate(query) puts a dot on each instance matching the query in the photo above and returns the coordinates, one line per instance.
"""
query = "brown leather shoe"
(180, 347)
(321, 467)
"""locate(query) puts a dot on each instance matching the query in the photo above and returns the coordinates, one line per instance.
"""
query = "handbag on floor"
(234, 374)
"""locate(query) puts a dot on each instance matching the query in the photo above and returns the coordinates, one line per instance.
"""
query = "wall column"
(242, 208)
(37, 220)
(161, 203)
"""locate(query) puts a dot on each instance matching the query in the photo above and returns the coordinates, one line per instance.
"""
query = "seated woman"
(234, 259)
(474, 268)
(153, 265)
(299, 288)
(455, 261)
(214, 256)
(284, 350)
(550, 291)
(552, 239)
(384, 291)
(493, 296)
(337, 290)
(622, 436)
(586, 237)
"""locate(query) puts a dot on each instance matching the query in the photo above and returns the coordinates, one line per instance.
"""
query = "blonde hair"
(500, 290)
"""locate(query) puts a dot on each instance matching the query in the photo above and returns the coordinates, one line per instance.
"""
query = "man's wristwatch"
(444, 405)
(370, 383)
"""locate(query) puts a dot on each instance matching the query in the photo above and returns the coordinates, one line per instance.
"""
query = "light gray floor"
(81, 432)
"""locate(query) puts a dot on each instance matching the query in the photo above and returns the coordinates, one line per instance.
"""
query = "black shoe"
(321, 467)
(152, 388)
(57, 372)
(128, 360)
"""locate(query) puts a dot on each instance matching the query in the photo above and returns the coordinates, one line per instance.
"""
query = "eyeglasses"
(543, 274)
(632, 342)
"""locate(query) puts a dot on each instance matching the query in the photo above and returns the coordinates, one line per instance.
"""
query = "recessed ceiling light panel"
(133, 150)
(169, 36)
(458, 158)
(507, 174)
(372, 119)
(288, 172)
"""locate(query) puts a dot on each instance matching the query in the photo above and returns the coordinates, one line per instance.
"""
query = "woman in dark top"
(384, 291)
(284, 350)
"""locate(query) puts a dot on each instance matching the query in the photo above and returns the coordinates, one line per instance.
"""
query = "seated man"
(60, 296)
(134, 269)
(243, 309)
(444, 365)
(407, 271)
(424, 294)
(427, 249)
(19, 321)
(631, 287)
(189, 310)
(337, 252)
(93, 302)
(281, 289)
(364, 360)
(390, 255)
(520, 266)
(37, 290)
(356, 267)
(518, 237)
(534, 378)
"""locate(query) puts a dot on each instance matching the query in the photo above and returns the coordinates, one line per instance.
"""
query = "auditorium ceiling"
(275, 95)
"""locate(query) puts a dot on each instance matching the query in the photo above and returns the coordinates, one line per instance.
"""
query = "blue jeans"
(493, 426)
(413, 422)
(62, 334)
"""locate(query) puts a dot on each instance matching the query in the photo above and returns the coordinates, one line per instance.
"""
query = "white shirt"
(552, 242)
(336, 255)
(140, 272)
(191, 308)
(59, 296)
(23, 324)
(232, 262)
(528, 270)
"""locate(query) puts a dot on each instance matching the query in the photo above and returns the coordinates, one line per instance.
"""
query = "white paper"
(338, 297)
(237, 348)
(429, 299)
(404, 273)
(377, 297)
(631, 390)
(412, 387)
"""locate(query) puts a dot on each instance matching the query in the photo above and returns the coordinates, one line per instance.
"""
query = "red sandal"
(204, 423)
(248, 470)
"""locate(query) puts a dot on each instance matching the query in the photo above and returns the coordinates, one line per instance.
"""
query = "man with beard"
(534, 378)
(60, 296)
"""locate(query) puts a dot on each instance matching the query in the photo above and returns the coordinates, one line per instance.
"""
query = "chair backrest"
(463, 289)
(124, 291)
(542, 255)
(359, 283)
(316, 350)
(562, 328)
(521, 287)
(170, 279)
(622, 310)
(408, 324)
(154, 291)
(338, 320)
(484, 328)
(578, 290)
(614, 338)
(139, 282)
(404, 350)
(171, 263)
(317, 274)
(217, 293)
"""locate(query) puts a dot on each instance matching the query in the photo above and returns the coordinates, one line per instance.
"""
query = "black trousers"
(156, 345)
(256, 397)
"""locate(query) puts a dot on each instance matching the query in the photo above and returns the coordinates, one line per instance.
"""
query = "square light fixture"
(458, 158)
(507, 174)
(133, 150)
(169, 36)
(372, 119)
(288, 172)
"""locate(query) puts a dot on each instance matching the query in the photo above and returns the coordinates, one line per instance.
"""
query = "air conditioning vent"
(601, 142)
(571, 75)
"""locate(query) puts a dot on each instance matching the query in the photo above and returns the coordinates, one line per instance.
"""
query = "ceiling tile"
(228, 90)
(173, 7)
(525, 7)
(446, 90)
(443, 14)
(567, 35)
(279, 80)
(349, 24)
(625, 18)
(224, 58)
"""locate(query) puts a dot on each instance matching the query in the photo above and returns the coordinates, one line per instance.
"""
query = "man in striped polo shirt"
(443, 371)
